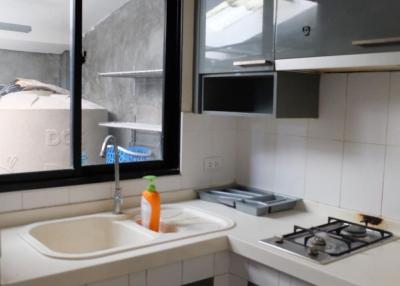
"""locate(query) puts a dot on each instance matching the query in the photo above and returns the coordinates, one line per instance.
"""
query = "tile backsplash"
(349, 157)
(202, 137)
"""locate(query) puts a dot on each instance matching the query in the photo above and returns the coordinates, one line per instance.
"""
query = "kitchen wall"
(49, 68)
(349, 157)
(202, 137)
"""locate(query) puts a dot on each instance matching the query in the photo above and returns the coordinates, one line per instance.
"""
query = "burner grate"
(328, 242)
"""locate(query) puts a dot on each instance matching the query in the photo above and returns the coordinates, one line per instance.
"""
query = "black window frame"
(79, 174)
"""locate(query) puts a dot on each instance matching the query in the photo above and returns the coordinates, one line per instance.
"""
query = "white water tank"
(35, 131)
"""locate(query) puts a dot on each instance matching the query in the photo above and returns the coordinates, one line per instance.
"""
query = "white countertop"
(22, 265)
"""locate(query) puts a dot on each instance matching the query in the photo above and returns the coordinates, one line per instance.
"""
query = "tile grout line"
(343, 142)
(386, 141)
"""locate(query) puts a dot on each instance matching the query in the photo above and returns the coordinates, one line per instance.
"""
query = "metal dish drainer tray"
(248, 200)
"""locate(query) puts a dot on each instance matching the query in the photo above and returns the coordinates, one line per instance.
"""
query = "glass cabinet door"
(235, 35)
(309, 28)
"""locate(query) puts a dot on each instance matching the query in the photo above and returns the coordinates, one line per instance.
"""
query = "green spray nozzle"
(152, 186)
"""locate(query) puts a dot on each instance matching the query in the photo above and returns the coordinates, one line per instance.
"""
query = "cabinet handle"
(380, 41)
(253, 63)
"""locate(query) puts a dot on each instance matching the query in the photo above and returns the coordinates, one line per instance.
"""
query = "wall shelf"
(134, 74)
(133, 126)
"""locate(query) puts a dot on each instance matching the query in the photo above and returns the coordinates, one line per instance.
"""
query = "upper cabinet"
(318, 28)
(235, 35)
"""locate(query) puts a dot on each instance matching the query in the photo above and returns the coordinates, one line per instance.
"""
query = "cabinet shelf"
(133, 126)
(134, 74)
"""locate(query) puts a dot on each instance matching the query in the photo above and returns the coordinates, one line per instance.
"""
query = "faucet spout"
(117, 194)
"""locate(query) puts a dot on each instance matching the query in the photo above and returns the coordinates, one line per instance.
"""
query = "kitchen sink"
(105, 234)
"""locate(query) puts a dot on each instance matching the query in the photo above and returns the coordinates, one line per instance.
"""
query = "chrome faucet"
(117, 194)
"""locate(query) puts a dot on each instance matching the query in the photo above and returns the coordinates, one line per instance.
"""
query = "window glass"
(122, 79)
(35, 99)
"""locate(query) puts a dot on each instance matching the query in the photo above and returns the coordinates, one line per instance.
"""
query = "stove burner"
(355, 231)
(316, 244)
(330, 241)
(317, 241)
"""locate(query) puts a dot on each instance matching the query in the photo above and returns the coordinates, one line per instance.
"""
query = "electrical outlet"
(212, 164)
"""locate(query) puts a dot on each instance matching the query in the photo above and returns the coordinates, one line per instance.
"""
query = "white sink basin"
(104, 234)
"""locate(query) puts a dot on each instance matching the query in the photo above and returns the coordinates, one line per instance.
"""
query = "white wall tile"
(261, 167)
(222, 280)
(295, 127)
(218, 122)
(298, 282)
(290, 165)
(262, 275)
(168, 183)
(391, 191)
(90, 192)
(195, 147)
(332, 108)
(132, 187)
(237, 281)
(238, 265)
(200, 122)
(119, 281)
(169, 275)
(362, 179)
(221, 263)
(195, 180)
(197, 269)
(243, 156)
(367, 107)
(10, 201)
(193, 122)
(393, 136)
(286, 280)
(137, 279)
(324, 171)
(260, 124)
(223, 144)
(45, 198)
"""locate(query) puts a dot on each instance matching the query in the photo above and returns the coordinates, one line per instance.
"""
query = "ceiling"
(50, 22)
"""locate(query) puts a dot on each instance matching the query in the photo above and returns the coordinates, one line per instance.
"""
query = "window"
(115, 72)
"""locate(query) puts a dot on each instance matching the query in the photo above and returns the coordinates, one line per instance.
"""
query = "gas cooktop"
(329, 242)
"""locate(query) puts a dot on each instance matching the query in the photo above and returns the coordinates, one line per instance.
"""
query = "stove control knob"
(313, 251)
